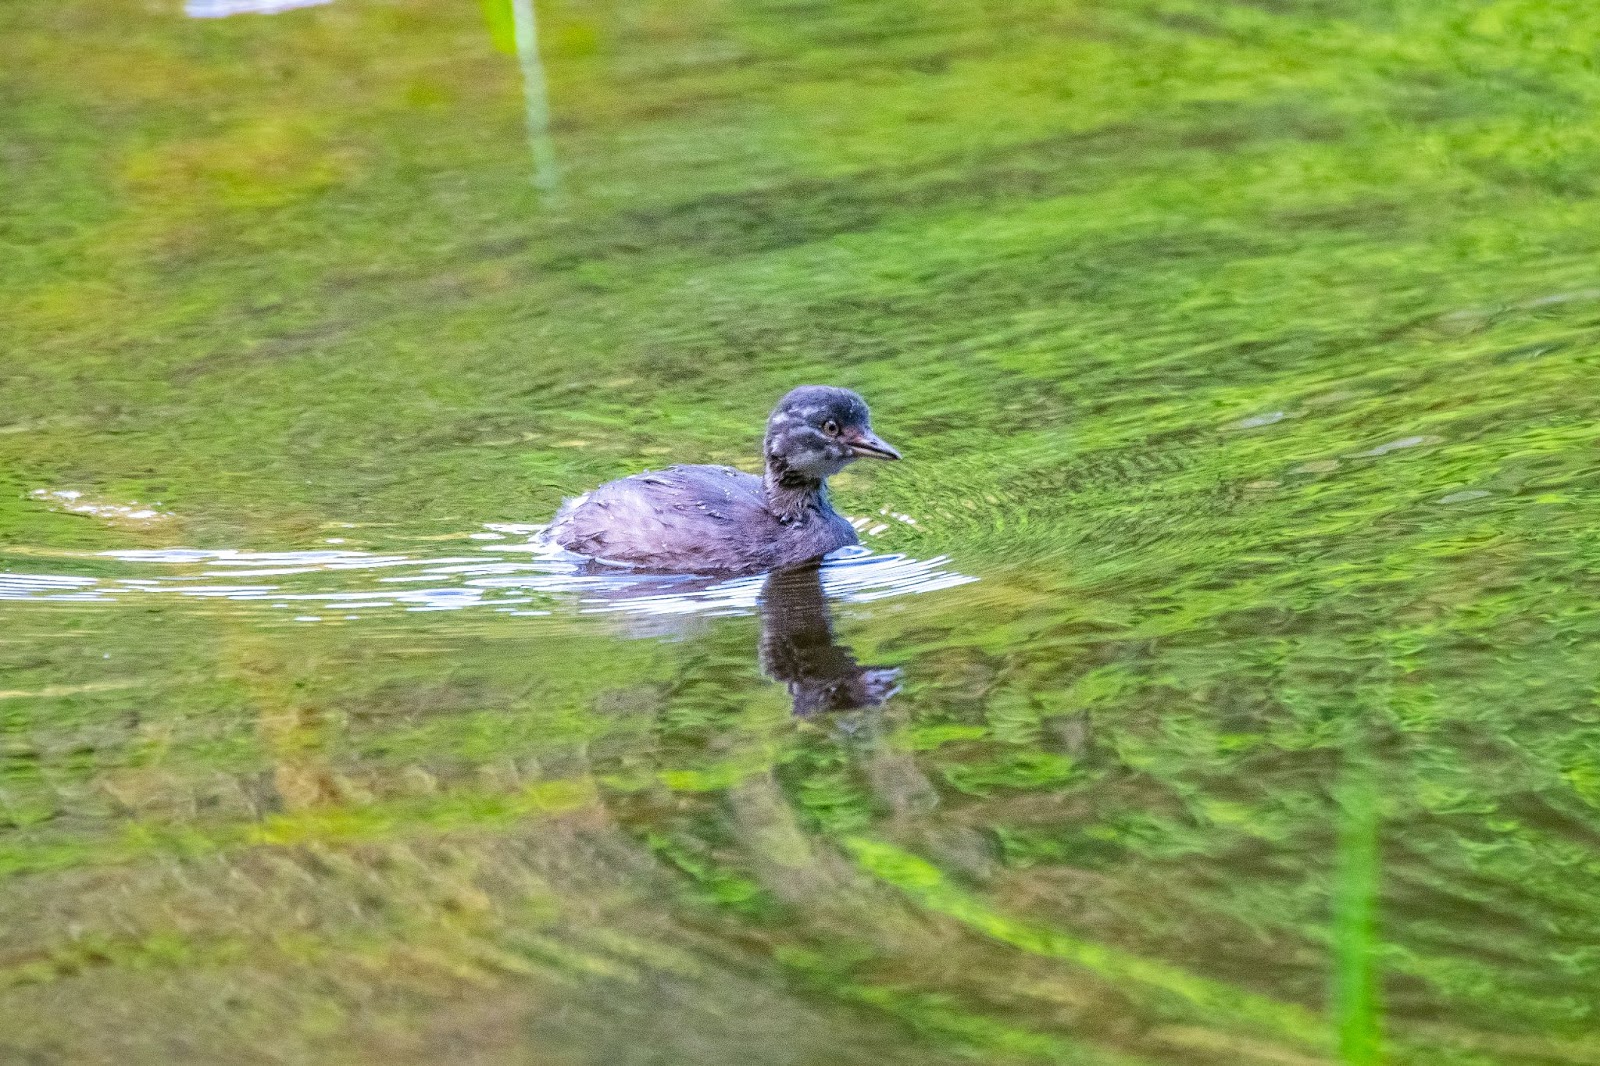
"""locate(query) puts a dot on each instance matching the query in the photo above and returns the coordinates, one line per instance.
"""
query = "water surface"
(1217, 684)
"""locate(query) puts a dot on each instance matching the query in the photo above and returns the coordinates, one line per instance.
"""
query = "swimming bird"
(715, 519)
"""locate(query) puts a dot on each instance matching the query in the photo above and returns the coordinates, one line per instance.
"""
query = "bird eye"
(831, 428)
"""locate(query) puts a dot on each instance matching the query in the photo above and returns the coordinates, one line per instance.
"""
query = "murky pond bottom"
(1215, 685)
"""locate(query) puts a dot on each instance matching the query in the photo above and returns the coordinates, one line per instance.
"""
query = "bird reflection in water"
(798, 648)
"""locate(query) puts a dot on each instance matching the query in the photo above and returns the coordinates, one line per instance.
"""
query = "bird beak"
(867, 445)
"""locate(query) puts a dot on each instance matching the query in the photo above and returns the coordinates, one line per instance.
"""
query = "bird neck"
(790, 495)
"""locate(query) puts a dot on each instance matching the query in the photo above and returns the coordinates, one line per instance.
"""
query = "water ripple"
(525, 579)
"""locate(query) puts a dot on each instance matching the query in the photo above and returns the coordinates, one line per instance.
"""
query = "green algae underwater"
(1241, 579)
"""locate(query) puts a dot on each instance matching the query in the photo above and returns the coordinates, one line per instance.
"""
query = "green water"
(1242, 591)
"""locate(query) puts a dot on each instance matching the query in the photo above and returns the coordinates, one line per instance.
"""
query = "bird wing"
(677, 518)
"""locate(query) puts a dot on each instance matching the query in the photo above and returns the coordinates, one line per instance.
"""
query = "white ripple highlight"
(531, 578)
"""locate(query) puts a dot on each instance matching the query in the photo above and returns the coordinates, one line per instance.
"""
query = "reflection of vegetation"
(1217, 1003)
(1244, 352)
(1355, 921)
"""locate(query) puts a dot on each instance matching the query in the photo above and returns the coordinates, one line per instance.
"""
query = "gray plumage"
(714, 519)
